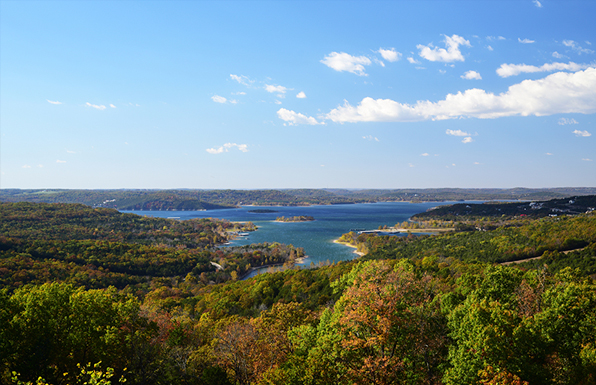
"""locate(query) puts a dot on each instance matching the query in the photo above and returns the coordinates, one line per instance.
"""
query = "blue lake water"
(316, 237)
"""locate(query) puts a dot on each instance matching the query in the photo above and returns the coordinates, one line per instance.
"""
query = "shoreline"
(361, 254)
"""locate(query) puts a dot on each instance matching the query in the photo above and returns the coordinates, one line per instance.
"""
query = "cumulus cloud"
(226, 147)
(506, 70)
(341, 61)
(565, 121)
(525, 41)
(294, 118)
(113, 106)
(537, 4)
(456, 133)
(582, 133)
(244, 80)
(97, 106)
(301, 95)
(279, 89)
(451, 54)
(425, 154)
(576, 47)
(218, 99)
(390, 55)
(471, 75)
(558, 93)
(413, 61)
(489, 48)
(53, 102)
(467, 140)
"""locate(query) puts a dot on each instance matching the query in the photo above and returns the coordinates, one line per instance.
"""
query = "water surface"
(316, 237)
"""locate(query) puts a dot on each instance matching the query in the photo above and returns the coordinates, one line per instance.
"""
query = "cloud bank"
(506, 70)
(558, 93)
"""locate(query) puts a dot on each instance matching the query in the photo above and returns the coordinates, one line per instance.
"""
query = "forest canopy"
(96, 295)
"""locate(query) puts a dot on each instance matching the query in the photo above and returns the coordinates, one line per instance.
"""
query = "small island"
(300, 218)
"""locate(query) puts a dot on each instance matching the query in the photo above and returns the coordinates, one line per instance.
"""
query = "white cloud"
(244, 80)
(113, 106)
(99, 107)
(370, 137)
(226, 147)
(425, 154)
(341, 61)
(489, 48)
(574, 46)
(587, 159)
(301, 95)
(451, 54)
(218, 99)
(442, 72)
(471, 75)
(413, 61)
(411, 165)
(559, 56)
(60, 161)
(549, 154)
(25, 166)
(492, 38)
(390, 54)
(295, 118)
(558, 93)
(239, 93)
(52, 102)
(506, 70)
(537, 4)
(582, 133)
(525, 41)
(279, 89)
(277, 102)
(71, 152)
(564, 121)
(467, 140)
(456, 133)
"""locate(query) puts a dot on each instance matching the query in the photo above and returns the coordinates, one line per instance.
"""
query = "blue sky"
(297, 94)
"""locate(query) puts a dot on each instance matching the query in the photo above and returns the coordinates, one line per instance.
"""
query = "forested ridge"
(189, 199)
(415, 310)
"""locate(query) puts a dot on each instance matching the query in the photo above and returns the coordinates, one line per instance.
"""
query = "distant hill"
(535, 209)
(187, 199)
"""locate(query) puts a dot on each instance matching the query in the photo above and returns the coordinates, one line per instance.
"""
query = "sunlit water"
(316, 237)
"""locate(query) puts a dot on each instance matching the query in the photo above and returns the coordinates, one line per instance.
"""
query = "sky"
(297, 94)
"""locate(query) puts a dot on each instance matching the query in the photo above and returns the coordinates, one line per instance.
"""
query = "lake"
(316, 237)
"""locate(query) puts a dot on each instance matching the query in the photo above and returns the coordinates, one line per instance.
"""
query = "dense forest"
(154, 301)
(189, 199)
